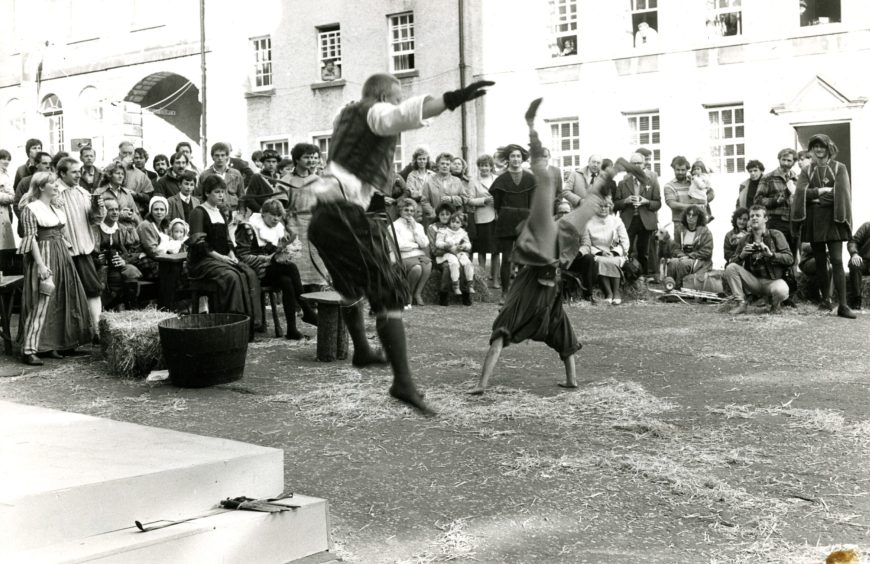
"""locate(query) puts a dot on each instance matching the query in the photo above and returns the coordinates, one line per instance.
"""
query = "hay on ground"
(130, 341)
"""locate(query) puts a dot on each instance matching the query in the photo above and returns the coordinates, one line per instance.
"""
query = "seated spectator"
(414, 249)
(759, 263)
(119, 276)
(859, 263)
(456, 246)
(262, 243)
(749, 187)
(694, 253)
(181, 204)
(563, 208)
(739, 222)
(442, 187)
(211, 258)
(604, 248)
(177, 237)
(300, 182)
(807, 265)
(114, 185)
(443, 212)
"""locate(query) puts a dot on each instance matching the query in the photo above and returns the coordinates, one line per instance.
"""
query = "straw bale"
(130, 342)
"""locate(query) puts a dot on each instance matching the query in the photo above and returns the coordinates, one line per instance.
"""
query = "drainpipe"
(462, 66)
(203, 142)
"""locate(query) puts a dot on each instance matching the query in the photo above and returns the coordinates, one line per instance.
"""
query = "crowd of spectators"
(88, 237)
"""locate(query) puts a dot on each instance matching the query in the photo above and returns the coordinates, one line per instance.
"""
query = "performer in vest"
(353, 248)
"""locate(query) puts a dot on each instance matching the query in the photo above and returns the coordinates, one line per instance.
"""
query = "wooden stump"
(331, 333)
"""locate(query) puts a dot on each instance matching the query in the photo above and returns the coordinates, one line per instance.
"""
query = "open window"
(724, 18)
(819, 12)
(329, 44)
(645, 22)
(563, 23)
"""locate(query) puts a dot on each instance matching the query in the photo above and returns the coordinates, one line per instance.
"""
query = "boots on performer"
(392, 334)
(363, 355)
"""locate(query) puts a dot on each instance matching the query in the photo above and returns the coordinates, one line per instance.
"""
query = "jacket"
(176, 208)
(772, 267)
(743, 194)
(807, 190)
(577, 185)
(775, 191)
(860, 242)
(649, 212)
(702, 248)
(511, 202)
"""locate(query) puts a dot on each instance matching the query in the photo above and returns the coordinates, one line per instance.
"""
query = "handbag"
(47, 286)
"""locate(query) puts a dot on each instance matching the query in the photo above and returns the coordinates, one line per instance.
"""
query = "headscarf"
(842, 186)
(155, 199)
(827, 142)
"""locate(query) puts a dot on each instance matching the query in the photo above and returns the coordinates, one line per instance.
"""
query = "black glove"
(456, 98)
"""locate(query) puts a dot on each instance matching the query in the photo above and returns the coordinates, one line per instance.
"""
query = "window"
(727, 150)
(402, 42)
(398, 156)
(563, 18)
(329, 45)
(645, 22)
(13, 118)
(322, 141)
(52, 111)
(818, 12)
(262, 78)
(282, 146)
(645, 131)
(724, 18)
(566, 144)
(92, 117)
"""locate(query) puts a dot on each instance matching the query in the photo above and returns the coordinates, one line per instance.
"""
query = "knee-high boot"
(354, 320)
(391, 331)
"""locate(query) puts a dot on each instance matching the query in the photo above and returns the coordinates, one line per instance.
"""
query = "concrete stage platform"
(72, 485)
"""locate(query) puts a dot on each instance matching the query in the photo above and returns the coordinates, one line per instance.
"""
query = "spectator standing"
(241, 165)
(91, 174)
(54, 307)
(859, 263)
(220, 154)
(32, 147)
(417, 179)
(749, 187)
(7, 198)
(140, 159)
(184, 147)
(137, 181)
(695, 252)
(181, 204)
(414, 249)
(580, 180)
(480, 199)
(555, 173)
(638, 201)
(300, 183)
(775, 192)
(170, 183)
(823, 208)
(83, 214)
(759, 263)
(211, 257)
(739, 222)
(114, 185)
(512, 198)
(264, 184)
(442, 187)
(160, 164)
(677, 194)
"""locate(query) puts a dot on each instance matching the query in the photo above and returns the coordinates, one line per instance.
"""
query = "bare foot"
(569, 385)
(369, 358)
(410, 396)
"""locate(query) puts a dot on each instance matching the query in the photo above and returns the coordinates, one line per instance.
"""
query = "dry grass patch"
(454, 543)
(525, 463)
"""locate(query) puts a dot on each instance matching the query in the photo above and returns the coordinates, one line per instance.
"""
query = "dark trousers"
(638, 240)
(833, 253)
(585, 267)
(505, 247)
(856, 281)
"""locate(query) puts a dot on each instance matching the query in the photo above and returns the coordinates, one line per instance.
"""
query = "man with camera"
(759, 264)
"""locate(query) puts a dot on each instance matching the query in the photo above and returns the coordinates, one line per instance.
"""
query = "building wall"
(784, 75)
(301, 106)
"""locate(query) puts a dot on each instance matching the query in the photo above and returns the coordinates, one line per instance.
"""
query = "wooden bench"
(9, 287)
(209, 289)
(331, 332)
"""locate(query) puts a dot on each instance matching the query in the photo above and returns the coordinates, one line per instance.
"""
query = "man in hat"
(352, 246)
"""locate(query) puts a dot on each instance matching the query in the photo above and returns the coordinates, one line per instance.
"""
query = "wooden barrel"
(205, 349)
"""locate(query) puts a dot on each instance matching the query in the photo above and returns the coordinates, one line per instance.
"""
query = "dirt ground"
(694, 437)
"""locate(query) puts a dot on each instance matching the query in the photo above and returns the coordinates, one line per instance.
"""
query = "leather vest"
(360, 150)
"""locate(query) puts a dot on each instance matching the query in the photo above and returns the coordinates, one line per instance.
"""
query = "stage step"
(66, 476)
(229, 537)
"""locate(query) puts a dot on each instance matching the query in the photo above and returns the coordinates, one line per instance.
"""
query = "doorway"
(840, 134)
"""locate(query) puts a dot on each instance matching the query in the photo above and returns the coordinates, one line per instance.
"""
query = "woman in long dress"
(54, 306)
(211, 257)
(823, 210)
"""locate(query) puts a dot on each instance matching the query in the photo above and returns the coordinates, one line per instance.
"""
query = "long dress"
(60, 321)
(238, 286)
(299, 218)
